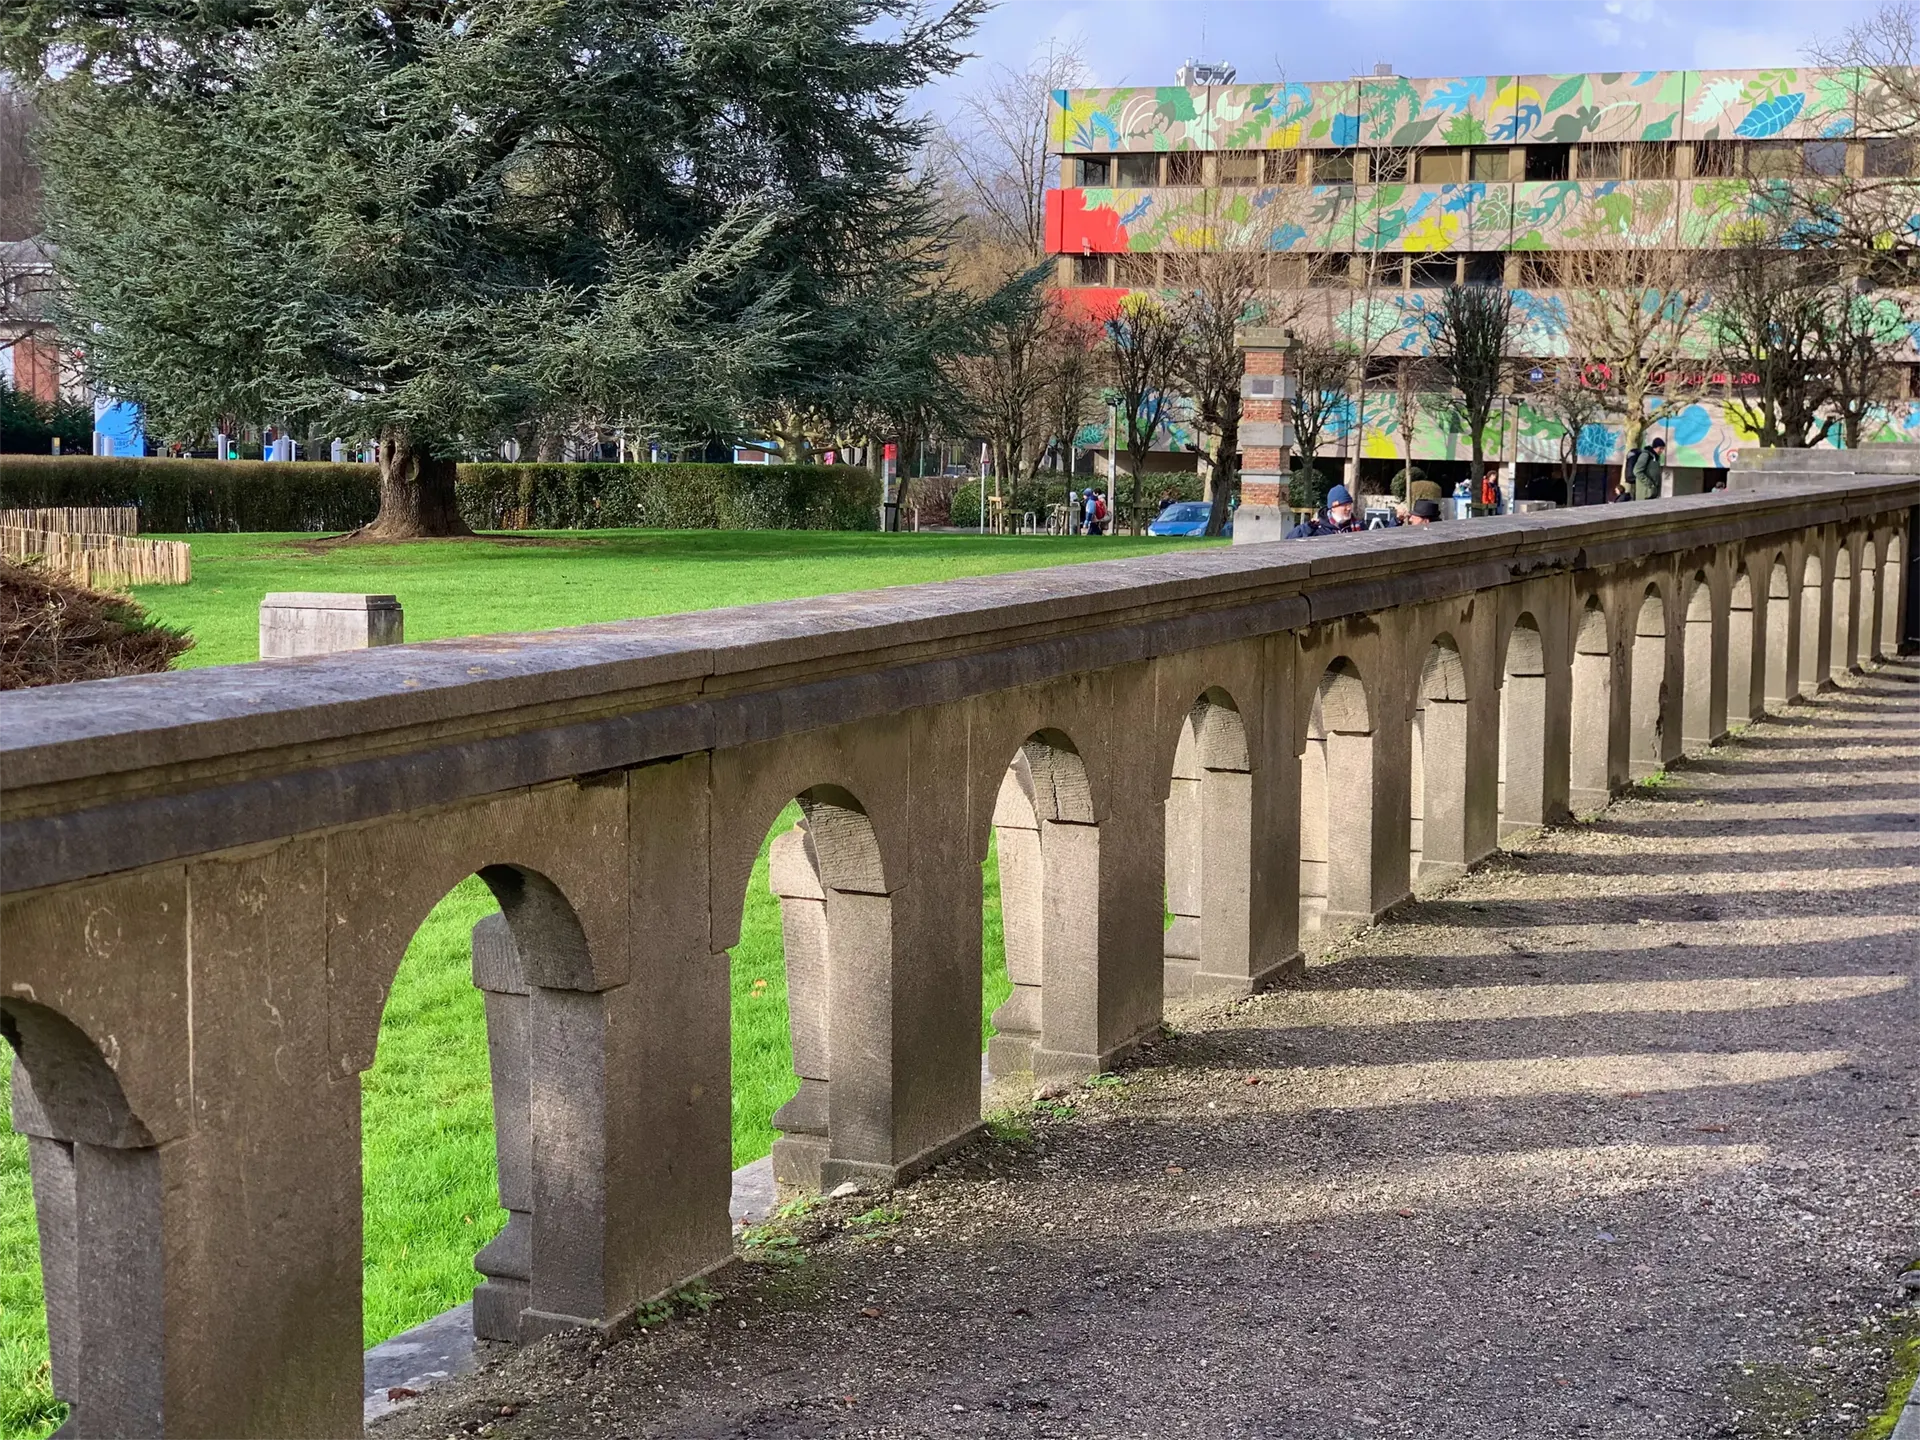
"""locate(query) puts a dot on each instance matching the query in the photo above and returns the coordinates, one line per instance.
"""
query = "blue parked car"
(1186, 517)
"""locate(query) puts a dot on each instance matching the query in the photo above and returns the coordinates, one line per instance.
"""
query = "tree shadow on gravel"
(1696, 865)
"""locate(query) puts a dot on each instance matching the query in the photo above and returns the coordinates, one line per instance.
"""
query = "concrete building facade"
(1371, 195)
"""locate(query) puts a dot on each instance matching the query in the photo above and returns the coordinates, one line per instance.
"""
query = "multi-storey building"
(1373, 194)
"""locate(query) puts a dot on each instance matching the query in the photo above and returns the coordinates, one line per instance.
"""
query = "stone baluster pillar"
(507, 1260)
(793, 874)
(1017, 843)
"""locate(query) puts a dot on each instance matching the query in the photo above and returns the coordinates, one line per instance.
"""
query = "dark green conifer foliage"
(437, 221)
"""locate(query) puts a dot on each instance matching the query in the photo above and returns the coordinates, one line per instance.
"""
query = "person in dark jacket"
(1339, 519)
(1640, 480)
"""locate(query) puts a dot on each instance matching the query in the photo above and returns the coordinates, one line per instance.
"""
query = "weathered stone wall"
(211, 877)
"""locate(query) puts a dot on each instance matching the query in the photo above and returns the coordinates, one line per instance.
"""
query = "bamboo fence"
(76, 520)
(101, 561)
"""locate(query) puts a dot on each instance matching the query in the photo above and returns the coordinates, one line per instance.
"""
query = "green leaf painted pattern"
(1465, 130)
(1660, 129)
(1175, 102)
(1566, 90)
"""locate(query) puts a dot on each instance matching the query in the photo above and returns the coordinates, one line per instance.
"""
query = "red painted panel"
(1096, 303)
(1073, 229)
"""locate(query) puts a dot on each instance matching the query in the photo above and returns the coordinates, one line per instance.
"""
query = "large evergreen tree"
(432, 220)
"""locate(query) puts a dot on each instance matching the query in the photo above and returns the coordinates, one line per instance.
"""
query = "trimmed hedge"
(670, 497)
(184, 496)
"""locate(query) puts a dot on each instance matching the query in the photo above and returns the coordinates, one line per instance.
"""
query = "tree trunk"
(1224, 470)
(417, 496)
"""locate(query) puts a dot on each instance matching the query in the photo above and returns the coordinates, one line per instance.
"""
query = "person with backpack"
(1099, 514)
(1641, 475)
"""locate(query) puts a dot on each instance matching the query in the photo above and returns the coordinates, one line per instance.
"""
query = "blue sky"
(1142, 42)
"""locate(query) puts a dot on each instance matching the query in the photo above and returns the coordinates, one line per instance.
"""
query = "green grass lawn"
(430, 1197)
(477, 587)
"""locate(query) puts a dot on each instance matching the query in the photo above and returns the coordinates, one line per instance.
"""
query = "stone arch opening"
(1777, 680)
(1647, 687)
(808, 979)
(1698, 664)
(1523, 728)
(1336, 800)
(96, 1176)
(1741, 659)
(1047, 844)
(1814, 639)
(1841, 647)
(1209, 840)
(1438, 782)
(1590, 736)
(459, 1058)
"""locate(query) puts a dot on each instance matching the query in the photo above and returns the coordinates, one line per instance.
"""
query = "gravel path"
(1618, 1136)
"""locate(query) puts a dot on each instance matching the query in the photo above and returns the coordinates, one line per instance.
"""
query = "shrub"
(1307, 489)
(1411, 475)
(183, 496)
(28, 425)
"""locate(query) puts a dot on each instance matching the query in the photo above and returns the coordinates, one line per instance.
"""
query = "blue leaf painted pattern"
(1770, 117)
(1346, 130)
(1453, 98)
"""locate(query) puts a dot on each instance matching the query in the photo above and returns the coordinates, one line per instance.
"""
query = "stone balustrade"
(211, 877)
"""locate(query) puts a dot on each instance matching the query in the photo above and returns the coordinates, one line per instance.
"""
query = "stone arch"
(1814, 639)
(97, 1190)
(1647, 722)
(1842, 642)
(1438, 768)
(836, 922)
(1048, 842)
(1742, 694)
(1590, 738)
(1523, 727)
(1209, 840)
(1336, 841)
(1700, 665)
(1777, 683)
(533, 950)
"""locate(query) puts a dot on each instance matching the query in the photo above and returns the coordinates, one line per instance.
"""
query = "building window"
(1183, 167)
(1490, 166)
(1095, 170)
(1600, 162)
(1136, 272)
(1136, 172)
(1443, 167)
(1331, 272)
(1824, 157)
(1383, 272)
(1090, 270)
(1713, 159)
(1282, 167)
(1389, 167)
(1333, 167)
(1239, 167)
(1433, 272)
(1486, 267)
(1889, 156)
(1653, 162)
(1287, 272)
(1381, 371)
(1547, 162)
(1772, 159)
(1539, 271)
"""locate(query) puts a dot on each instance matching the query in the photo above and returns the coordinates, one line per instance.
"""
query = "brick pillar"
(1266, 436)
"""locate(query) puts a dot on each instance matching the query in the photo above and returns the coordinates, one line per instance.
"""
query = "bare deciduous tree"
(1141, 352)
(1468, 331)
(1768, 303)
(1634, 318)
(1322, 371)
(1220, 287)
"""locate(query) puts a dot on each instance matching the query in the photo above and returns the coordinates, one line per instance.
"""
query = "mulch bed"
(53, 631)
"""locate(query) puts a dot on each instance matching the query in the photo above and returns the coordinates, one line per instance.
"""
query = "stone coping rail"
(209, 880)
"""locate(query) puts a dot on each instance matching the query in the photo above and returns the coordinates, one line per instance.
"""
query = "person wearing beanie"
(1339, 519)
